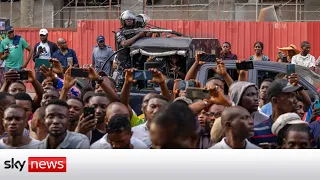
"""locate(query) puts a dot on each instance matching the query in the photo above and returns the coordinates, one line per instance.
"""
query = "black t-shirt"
(96, 135)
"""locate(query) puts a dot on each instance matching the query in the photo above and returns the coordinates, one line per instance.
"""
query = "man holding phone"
(43, 50)
(65, 55)
(11, 51)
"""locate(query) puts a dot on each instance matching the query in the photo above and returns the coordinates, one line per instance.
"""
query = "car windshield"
(310, 76)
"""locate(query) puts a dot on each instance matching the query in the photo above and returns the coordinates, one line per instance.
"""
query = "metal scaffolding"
(59, 13)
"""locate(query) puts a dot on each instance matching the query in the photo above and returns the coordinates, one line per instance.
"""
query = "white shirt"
(223, 145)
(142, 133)
(104, 144)
(34, 144)
(306, 61)
(46, 51)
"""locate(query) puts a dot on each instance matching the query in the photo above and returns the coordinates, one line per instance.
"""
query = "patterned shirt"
(264, 58)
(306, 61)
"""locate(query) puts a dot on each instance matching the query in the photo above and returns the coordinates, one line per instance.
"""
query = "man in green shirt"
(11, 51)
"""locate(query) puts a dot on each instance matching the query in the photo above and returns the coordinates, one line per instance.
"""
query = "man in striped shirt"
(282, 96)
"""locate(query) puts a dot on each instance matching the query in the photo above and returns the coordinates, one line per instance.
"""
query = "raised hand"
(68, 80)
(221, 68)
(198, 58)
(47, 72)
(57, 67)
(157, 76)
(293, 79)
(31, 76)
(12, 76)
(129, 75)
(86, 124)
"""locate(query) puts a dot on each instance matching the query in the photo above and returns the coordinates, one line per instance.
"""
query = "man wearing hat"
(100, 55)
(289, 52)
(43, 50)
(282, 97)
(11, 51)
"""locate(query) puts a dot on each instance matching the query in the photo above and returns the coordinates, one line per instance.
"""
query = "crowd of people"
(278, 114)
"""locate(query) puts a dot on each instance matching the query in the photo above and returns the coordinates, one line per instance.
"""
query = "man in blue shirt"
(66, 56)
(100, 54)
(282, 97)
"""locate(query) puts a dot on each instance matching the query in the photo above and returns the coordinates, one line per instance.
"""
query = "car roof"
(182, 43)
(307, 75)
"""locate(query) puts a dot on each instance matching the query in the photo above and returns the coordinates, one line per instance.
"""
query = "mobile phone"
(40, 62)
(142, 75)
(78, 72)
(23, 75)
(291, 68)
(245, 65)
(148, 65)
(284, 59)
(6, 50)
(87, 111)
(317, 104)
(208, 57)
(185, 84)
(197, 93)
(218, 52)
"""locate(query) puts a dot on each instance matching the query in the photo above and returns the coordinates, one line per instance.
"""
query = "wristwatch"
(99, 80)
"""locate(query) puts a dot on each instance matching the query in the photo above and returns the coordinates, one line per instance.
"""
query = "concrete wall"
(312, 5)
(48, 9)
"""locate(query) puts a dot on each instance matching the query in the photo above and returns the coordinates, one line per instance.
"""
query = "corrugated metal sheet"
(241, 35)
(313, 38)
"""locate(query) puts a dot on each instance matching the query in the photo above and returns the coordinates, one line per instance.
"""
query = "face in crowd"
(264, 90)
(250, 99)
(305, 46)
(26, 105)
(119, 132)
(145, 102)
(75, 109)
(48, 95)
(17, 87)
(211, 115)
(14, 120)
(10, 34)
(226, 48)
(47, 84)
(215, 82)
(154, 105)
(100, 104)
(237, 122)
(117, 109)
(62, 43)
(297, 136)
(285, 102)
(57, 119)
(173, 127)
(129, 22)
(43, 38)
(258, 47)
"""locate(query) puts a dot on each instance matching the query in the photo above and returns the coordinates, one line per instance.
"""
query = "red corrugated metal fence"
(241, 35)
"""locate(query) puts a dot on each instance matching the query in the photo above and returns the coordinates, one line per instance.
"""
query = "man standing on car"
(11, 51)
(100, 55)
(127, 20)
(43, 50)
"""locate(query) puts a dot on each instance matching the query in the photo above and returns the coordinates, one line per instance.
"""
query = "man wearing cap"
(282, 97)
(281, 125)
(43, 50)
(100, 55)
(11, 51)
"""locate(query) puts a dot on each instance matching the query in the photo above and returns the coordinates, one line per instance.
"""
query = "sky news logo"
(38, 164)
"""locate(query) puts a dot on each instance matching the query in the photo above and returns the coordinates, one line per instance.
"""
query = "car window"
(232, 72)
(262, 75)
